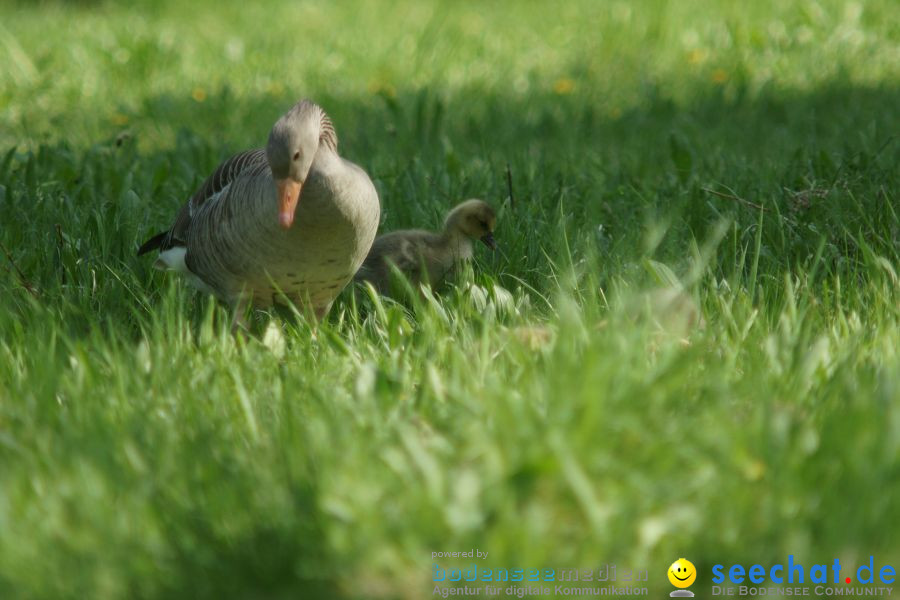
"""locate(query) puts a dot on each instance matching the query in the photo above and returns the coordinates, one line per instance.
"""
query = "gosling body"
(426, 257)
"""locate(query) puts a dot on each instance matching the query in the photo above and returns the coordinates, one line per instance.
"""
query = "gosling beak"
(488, 240)
(288, 195)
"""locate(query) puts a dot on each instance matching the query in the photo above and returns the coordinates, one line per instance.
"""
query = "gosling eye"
(297, 155)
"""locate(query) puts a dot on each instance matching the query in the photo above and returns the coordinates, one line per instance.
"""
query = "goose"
(426, 257)
(289, 223)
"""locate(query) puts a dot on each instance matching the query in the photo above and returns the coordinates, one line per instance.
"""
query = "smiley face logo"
(682, 573)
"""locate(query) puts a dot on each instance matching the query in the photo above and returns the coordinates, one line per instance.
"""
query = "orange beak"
(288, 195)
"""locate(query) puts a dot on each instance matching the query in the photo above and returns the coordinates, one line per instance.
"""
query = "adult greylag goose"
(426, 257)
(293, 221)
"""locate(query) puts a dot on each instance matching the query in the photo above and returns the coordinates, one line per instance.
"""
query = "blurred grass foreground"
(687, 344)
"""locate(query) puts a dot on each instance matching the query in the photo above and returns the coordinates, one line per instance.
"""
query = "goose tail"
(153, 243)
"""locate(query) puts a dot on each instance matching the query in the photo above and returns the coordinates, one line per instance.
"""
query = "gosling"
(426, 257)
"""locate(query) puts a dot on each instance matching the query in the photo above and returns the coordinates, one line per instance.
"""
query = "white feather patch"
(172, 260)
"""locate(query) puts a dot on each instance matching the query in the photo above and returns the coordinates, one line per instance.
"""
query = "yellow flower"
(754, 469)
(696, 56)
(719, 76)
(564, 85)
(199, 94)
(382, 87)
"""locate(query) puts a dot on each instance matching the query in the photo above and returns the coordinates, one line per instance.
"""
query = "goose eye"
(297, 155)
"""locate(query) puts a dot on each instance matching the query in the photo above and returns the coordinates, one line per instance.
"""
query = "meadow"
(542, 410)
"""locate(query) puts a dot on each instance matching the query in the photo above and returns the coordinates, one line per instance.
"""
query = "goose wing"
(247, 162)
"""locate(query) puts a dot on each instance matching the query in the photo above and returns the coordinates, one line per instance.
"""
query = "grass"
(748, 151)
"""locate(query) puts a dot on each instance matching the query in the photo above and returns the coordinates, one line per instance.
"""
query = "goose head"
(291, 149)
(474, 219)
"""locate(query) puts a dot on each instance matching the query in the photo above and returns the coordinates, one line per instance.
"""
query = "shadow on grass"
(820, 166)
(280, 556)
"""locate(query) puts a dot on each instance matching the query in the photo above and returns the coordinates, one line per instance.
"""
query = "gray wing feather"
(250, 161)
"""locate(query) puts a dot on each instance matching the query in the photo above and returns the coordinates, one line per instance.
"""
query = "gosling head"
(474, 219)
(293, 143)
